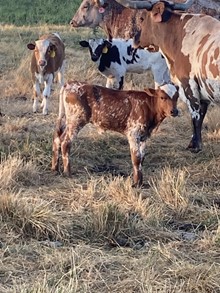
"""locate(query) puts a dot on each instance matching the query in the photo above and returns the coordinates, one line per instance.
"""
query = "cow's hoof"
(194, 149)
(137, 185)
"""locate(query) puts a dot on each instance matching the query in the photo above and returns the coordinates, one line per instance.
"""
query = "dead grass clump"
(189, 277)
(106, 220)
(30, 217)
(22, 76)
(170, 189)
(15, 173)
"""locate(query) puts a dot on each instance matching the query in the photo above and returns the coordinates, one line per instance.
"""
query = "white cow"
(116, 57)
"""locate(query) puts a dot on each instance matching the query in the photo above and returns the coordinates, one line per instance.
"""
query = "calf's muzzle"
(174, 112)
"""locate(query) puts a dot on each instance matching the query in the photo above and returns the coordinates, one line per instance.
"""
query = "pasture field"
(94, 232)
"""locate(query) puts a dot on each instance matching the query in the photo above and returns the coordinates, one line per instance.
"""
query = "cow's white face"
(89, 14)
(96, 48)
(41, 52)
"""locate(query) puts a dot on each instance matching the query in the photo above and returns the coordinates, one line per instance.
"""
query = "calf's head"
(165, 99)
(97, 47)
(43, 51)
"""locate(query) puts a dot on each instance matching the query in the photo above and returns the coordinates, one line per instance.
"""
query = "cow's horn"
(100, 2)
(183, 6)
(137, 4)
(148, 4)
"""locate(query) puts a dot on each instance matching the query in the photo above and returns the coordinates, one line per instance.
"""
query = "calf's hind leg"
(56, 145)
(137, 149)
(66, 139)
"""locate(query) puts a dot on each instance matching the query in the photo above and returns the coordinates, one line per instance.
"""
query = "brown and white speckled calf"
(132, 113)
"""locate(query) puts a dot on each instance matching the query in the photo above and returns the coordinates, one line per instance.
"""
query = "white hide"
(145, 60)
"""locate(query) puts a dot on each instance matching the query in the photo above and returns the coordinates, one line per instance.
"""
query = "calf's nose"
(94, 58)
(42, 62)
(174, 112)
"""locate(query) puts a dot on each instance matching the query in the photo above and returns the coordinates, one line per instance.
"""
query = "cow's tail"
(61, 103)
(61, 121)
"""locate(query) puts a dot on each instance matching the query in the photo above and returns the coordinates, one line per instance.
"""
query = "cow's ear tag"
(101, 10)
(52, 54)
(105, 50)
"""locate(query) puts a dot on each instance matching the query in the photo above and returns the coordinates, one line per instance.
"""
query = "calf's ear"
(52, 47)
(150, 91)
(157, 11)
(31, 46)
(107, 44)
(84, 44)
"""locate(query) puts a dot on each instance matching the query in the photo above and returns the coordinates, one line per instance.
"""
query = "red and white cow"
(122, 22)
(191, 45)
(133, 113)
(47, 60)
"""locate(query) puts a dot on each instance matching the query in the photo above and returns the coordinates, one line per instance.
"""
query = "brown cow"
(121, 22)
(133, 113)
(47, 60)
(191, 45)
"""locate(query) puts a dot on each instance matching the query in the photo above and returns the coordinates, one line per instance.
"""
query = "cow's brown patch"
(213, 68)
(216, 53)
(202, 43)
(72, 98)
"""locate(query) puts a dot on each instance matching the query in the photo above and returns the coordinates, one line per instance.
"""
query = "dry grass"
(94, 232)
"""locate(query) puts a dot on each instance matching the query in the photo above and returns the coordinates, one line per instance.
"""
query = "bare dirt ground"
(94, 232)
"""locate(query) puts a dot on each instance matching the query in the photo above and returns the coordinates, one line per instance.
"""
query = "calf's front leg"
(46, 93)
(36, 90)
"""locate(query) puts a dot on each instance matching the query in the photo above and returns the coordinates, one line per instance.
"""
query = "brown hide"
(53, 63)
(132, 113)
(120, 22)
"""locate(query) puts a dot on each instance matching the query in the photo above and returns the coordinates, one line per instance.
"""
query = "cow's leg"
(69, 135)
(46, 93)
(121, 83)
(110, 82)
(136, 159)
(56, 145)
(36, 89)
(195, 144)
(142, 151)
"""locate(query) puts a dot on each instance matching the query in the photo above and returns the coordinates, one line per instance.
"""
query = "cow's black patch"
(129, 50)
(134, 56)
(111, 56)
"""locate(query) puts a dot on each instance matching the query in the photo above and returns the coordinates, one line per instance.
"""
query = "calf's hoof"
(137, 185)
(67, 174)
(45, 112)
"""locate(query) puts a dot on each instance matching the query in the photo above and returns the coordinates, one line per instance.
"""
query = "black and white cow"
(116, 57)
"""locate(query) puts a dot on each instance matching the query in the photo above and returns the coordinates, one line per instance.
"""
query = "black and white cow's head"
(97, 47)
